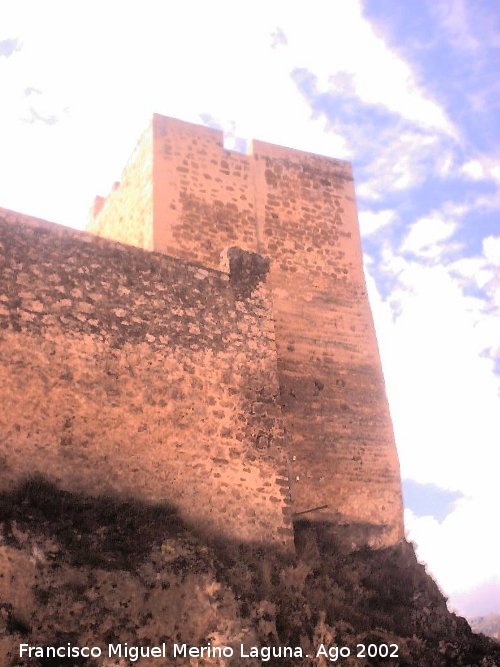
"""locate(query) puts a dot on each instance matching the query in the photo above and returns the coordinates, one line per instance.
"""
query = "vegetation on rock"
(94, 571)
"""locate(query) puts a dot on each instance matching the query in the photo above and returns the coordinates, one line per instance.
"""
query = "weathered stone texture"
(299, 210)
(133, 374)
(336, 415)
(203, 195)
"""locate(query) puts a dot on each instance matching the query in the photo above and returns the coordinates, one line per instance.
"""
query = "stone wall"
(341, 444)
(204, 196)
(133, 374)
(299, 210)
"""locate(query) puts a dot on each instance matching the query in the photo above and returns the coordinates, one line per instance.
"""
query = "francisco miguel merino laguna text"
(133, 653)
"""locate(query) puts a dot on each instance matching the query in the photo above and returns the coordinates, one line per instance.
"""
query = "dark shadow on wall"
(103, 532)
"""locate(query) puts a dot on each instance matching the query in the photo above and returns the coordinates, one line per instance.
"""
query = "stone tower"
(182, 194)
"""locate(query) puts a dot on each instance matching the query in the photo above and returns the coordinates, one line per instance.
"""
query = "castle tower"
(184, 195)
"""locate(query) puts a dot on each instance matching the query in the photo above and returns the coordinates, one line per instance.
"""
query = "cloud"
(35, 116)
(461, 552)
(340, 30)
(9, 46)
(473, 169)
(105, 95)
(373, 221)
(404, 160)
(428, 500)
(32, 91)
(437, 345)
(426, 235)
(392, 154)
(485, 168)
(278, 38)
(491, 250)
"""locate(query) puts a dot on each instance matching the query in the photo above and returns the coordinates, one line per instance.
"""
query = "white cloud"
(483, 272)
(485, 168)
(441, 386)
(473, 270)
(495, 172)
(427, 234)
(445, 163)
(106, 82)
(443, 394)
(339, 32)
(473, 169)
(478, 600)
(103, 83)
(462, 551)
(404, 160)
(438, 346)
(491, 249)
(372, 221)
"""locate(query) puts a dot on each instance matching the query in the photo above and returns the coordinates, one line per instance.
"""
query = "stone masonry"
(183, 195)
(131, 374)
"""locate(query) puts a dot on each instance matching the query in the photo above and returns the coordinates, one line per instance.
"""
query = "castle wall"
(129, 373)
(340, 440)
(299, 210)
(204, 196)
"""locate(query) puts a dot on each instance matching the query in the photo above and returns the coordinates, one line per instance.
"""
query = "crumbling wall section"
(133, 374)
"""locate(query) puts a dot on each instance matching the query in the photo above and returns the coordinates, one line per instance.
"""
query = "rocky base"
(94, 572)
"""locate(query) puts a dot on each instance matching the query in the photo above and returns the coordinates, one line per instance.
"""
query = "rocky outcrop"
(83, 571)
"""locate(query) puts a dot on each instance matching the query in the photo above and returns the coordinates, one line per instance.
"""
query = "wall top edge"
(14, 218)
(255, 147)
(159, 120)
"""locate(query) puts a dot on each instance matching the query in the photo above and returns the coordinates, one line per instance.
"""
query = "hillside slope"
(99, 571)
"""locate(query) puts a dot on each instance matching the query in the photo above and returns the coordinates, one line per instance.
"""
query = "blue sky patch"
(428, 500)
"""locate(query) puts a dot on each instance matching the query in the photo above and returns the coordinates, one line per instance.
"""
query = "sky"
(408, 92)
